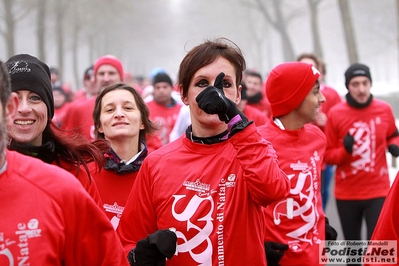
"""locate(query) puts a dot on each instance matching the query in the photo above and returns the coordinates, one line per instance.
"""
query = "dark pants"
(351, 213)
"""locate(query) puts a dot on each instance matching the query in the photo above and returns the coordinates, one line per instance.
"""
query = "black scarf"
(237, 127)
(209, 140)
(45, 152)
(352, 102)
(114, 163)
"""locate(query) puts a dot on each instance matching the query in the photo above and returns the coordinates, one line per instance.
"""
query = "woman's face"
(205, 125)
(31, 119)
(120, 117)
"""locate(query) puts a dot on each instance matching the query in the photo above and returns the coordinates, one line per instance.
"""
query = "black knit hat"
(29, 73)
(356, 70)
(162, 77)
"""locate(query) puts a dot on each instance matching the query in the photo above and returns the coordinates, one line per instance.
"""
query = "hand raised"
(212, 100)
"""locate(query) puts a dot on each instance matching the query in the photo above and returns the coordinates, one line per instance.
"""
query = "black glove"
(274, 252)
(348, 143)
(213, 101)
(394, 150)
(331, 233)
(153, 250)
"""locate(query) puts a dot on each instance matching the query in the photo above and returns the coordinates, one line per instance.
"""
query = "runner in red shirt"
(255, 93)
(332, 98)
(47, 218)
(107, 70)
(33, 133)
(122, 118)
(298, 220)
(359, 132)
(204, 191)
(163, 108)
(387, 227)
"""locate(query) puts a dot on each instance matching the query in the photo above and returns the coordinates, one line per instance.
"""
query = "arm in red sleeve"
(387, 227)
(266, 181)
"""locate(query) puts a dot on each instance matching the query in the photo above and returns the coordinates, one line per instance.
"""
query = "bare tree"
(13, 11)
(348, 30)
(41, 29)
(397, 22)
(277, 19)
(9, 31)
(314, 22)
(60, 12)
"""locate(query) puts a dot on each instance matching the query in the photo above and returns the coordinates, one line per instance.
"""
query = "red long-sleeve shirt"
(114, 190)
(211, 194)
(298, 220)
(387, 227)
(364, 173)
(164, 117)
(47, 218)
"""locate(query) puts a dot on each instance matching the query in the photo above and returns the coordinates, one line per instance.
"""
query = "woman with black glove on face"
(210, 184)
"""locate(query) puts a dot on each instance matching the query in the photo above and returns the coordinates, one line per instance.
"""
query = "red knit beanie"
(109, 60)
(288, 84)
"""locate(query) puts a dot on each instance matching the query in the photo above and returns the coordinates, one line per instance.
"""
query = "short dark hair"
(204, 54)
(310, 56)
(252, 73)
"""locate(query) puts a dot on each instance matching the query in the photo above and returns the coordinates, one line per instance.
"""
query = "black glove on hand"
(348, 143)
(331, 233)
(274, 252)
(394, 150)
(153, 250)
(213, 101)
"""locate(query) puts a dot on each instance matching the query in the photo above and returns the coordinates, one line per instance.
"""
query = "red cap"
(288, 84)
(109, 60)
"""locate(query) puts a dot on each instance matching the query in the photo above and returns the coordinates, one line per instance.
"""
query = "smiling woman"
(31, 119)
(200, 196)
(122, 118)
(32, 131)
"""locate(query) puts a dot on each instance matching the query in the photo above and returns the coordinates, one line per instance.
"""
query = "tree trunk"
(314, 21)
(288, 50)
(75, 44)
(41, 30)
(9, 33)
(59, 21)
(397, 24)
(348, 30)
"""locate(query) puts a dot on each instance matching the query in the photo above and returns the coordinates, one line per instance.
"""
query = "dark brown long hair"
(75, 148)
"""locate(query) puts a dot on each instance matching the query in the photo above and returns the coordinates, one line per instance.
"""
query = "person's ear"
(100, 129)
(183, 99)
(11, 108)
(238, 98)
